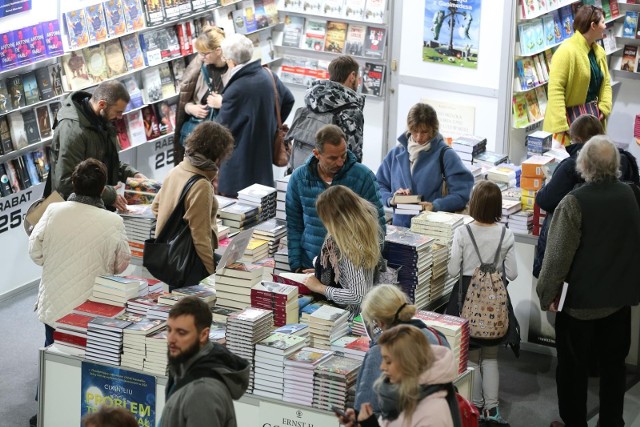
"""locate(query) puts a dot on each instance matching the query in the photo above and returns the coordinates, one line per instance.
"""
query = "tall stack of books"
(117, 290)
(281, 299)
(281, 187)
(521, 222)
(326, 325)
(455, 329)
(234, 283)
(505, 174)
(298, 329)
(468, 146)
(439, 225)
(269, 363)
(439, 288)
(239, 216)
(155, 360)
(244, 330)
(71, 331)
(533, 178)
(256, 250)
(260, 195)
(410, 253)
(272, 231)
(140, 224)
(332, 382)
(299, 372)
(282, 261)
(134, 341)
(351, 346)
(104, 343)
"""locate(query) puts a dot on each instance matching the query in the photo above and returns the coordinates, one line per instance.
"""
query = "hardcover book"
(354, 43)
(16, 92)
(55, 74)
(375, 42)
(135, 94)
(31, 126)
(292, 33)
(153, 12)
(44, 121)
(151, 126)
(37, 43)
(630, 24)
(30, 86)
(43, 81)
(315, 32)
(116, 64)
(96, 61)
(96, 24)
(5, 185)
(6, 146)
(114, 17)
(75, 70)
(52, 38)
(373, 79)
(91, 308)
(133, 16)
(132, 51)
(150, 48)
(75, 322)
(8, 56)
(21, 46)
(238, 212)
(152, 84)
(335, 37)
(77, 28)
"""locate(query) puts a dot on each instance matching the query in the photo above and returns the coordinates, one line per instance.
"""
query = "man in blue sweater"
(330, 164)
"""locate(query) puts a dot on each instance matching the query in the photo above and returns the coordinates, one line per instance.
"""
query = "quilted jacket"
(75, 242)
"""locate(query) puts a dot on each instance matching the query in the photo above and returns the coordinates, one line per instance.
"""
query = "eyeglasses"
(593, 10)
(205, 53)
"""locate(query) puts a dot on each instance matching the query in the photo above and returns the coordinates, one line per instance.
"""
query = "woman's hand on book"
(314, 285)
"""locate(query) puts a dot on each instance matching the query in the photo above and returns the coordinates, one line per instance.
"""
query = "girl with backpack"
(483, 252)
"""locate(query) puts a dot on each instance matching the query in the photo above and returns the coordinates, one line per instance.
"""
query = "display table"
(60, 398)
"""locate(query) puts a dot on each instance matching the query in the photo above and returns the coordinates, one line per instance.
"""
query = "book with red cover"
(74, 322)
(302, 289)
(66, 338)
(361, 344)
(92, 308)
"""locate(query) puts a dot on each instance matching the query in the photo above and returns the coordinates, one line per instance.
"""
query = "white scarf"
(415, 149)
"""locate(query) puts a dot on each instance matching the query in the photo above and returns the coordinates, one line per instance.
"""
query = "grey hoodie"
(206, 401)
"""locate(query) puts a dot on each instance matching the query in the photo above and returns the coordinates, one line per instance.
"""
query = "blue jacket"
(305, 231)
(395, 173)
(248, 110)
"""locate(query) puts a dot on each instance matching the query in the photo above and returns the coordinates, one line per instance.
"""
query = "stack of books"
(299, 372)
(407, 204)
(269, 363)
(439, 289)
(358, 327)
(117, 290)
(140, 224)
(159, 311)
(352, 346)
(281, 187)
(298, 329)
(93, 309)
(155, 360)
(205, 293)
(104, 343)
(468, 146)
(521, 222)
(141, 305)
(281, 299)
(439, 225)
(476, 171)
(71, 331)
(256, 250)
(220, 314)
(218, 332)
(455, 329)
(410, 253)
(234, 283)
(510, 207)
(239, 216)
(489, 159)
(244, 330)
(332, 383)
(282, 261)
(260, 195)
(272, 231)
(327, 324)
(505, 174)
(134, 341)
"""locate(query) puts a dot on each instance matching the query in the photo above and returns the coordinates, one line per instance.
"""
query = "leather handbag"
(171, 256)
(281, 150)
(37, 208)
(578, 110)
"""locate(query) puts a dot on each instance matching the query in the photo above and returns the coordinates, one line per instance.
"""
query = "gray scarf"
(87, 200)
(199, 161)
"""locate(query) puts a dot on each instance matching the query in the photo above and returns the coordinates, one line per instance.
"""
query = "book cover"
(54, 107)
(5, 103)
(354, 9)
(538, 34)
(31, 126)
(6, 146)
(144, 326)
(41, 162)
(335, 37)
(135, 94)
(121, 134)
(373, 79)
(30, 87)
(24, 173)
(185, 7)
(92, 308)
(132, 51)
(519, 107)
(166, 114)
(541, 95)
(153, 12)
(566, 18)
(77, 28)
(168, 43)
(279, 343)
(354, 43)
(314, 32)
(75, 70)
(37, 45)
(114, 18)
(21, 45)
(133, 16)
(14, 181)
(375, 42)
(8, 58)
(375, 11)
(151, 126)
(108, 323)
(96, 24)
(152, 84)
(44, 121)
(249, 14)
(262, 20)
(114, 57)
(198, 5)
(177, 69)
(614, 7)
(171, 9)
(96, 60)
(630, 24)
(333, 8)
(548, 24)
(184, 33)
(150, 48)
(43, 82)
(77, 322)
(16, 92)
(52, 38)
(5, 185)
(292, 32)
(628, 58)
(55, 76)
(135, 128)
(271, 9)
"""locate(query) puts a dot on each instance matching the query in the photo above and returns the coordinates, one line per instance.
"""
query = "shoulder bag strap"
(460, 284)
(497, 257)
(277, 98)
(47, 186)
(442, 153)
(475, 245)
(207, 81)
(178, 211)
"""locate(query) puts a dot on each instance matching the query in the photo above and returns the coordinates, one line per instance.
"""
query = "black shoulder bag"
(171, 256)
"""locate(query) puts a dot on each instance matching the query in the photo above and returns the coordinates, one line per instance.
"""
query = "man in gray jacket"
(204, 378)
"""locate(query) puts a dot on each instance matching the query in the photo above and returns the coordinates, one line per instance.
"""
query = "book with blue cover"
(77, 28)
(8, 56)
(30, 86)
(96, 23)
(37, 43)
(114, 17)
(52, 38)
(133, 16)
(21, 45)
(132, 51)
(630, 25)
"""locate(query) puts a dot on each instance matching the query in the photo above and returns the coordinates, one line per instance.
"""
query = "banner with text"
(12, 7)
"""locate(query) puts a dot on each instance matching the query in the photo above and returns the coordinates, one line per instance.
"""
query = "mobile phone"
(338, 411)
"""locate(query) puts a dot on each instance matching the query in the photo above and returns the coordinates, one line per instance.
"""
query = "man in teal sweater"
(330, 164)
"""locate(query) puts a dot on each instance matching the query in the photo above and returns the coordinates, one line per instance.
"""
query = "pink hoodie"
(433, 410)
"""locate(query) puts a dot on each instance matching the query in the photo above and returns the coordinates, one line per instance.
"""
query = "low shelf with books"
(532, 9)
(32, 106)
(22, 151)
(22, 69)
(331, 55)
(260, 30)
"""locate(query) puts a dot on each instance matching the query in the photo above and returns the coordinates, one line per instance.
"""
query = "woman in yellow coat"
(579, 73)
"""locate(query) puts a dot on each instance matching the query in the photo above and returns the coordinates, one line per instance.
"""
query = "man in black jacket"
(593, 246)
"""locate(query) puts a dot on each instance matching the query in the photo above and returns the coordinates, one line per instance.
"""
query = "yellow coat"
(569, 77)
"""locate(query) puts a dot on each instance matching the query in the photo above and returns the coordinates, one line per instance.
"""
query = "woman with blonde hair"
(384, 307)
(351, 250)
(201, 86)
(409, 365)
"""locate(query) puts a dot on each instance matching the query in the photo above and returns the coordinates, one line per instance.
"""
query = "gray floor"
(527, 385)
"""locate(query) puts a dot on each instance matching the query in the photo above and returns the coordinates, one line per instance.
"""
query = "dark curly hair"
(89, 178)
(210, 139)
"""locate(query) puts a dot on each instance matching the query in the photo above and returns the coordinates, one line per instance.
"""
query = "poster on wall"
(112, 386)
(12, 7)
(451, 32)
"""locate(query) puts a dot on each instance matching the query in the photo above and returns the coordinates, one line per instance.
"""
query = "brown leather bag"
(281, 150)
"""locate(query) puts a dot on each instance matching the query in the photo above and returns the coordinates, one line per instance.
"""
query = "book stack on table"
(140, 224)
(272, 231)
(256, 250)
(104, 342)
(281, 197)
(234, 283)
(299, 373)
(327, 324)
(239, 216)
(455, 329)
(117, 290)
(281, 299)
(71, 332)
(134, 341)
(354, 347)
(260, 195)
(269, 363)
(334, 382)
(155, 360)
